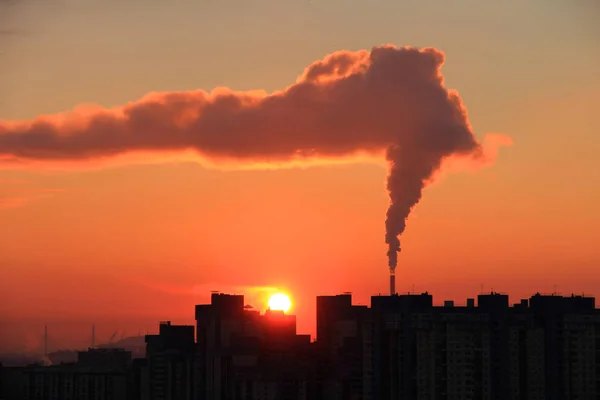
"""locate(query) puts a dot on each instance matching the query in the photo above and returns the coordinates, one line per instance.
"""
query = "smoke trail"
(389, 99)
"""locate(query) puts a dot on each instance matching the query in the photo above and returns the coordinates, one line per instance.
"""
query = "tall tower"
(45, 340)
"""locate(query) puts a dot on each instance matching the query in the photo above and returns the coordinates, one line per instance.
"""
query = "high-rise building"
(170, 362)
(556, 348)
(344, 343)
(544, 348)
(242, 354)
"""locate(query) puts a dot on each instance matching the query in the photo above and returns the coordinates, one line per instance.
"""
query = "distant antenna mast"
(93, 336)
(45, 340)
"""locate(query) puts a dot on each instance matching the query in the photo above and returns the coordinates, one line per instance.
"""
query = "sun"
(280, 302)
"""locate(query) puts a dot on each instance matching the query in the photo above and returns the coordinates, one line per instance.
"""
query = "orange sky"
(124, 247)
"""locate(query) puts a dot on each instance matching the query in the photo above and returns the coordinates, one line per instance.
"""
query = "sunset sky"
(128, 245)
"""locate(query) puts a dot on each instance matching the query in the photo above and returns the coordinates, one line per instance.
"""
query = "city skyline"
(65, 335)
(106, 244)
(400, 346)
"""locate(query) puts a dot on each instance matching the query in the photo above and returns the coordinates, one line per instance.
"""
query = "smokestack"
(392, 282)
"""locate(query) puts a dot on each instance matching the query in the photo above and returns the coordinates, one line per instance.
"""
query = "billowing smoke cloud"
(390, 99)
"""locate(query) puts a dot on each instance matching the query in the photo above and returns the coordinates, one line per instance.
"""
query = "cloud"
(12, 181)
(347, 105)
(17, 193)
(11, 32)
(387, 102)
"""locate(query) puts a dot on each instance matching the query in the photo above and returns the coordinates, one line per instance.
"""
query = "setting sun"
(280, 302)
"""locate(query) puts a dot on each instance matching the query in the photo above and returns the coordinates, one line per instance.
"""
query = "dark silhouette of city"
(401, 347)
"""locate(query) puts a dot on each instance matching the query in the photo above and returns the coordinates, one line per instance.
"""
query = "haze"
(126, 246)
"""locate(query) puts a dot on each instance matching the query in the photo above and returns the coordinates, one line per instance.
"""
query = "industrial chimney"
(392, 282)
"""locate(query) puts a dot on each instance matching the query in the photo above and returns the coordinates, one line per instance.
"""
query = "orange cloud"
(16, 193)
(349, 105)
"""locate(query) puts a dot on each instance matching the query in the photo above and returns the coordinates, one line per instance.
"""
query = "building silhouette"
(99, 374)
(170, 362)
(344, 343)
(244, 355)
(401, 347)
(542, 348)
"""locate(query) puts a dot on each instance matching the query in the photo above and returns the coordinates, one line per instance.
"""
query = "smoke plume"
(389, 99)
